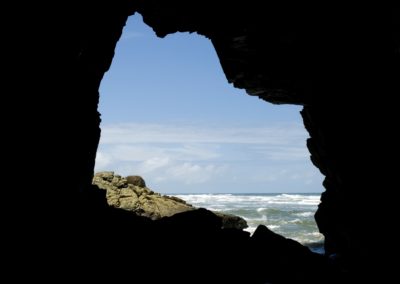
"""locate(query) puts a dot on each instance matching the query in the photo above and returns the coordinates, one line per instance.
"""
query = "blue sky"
(169, 115)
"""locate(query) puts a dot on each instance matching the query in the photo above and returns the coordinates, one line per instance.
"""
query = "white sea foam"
(255, 199)
(288, 214)
(305, 214)
(273, 227)
(251, 229)
(314, 234)
(215, 209)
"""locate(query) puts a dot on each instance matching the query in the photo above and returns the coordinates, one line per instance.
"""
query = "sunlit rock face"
(131, 194)
(341, 63)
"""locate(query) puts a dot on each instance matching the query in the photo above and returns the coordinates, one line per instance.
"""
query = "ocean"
(291, 215)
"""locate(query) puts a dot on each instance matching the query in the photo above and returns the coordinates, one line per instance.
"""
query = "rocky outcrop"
(138, 199)
(131, 194)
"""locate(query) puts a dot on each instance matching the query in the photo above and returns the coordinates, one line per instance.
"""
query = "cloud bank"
(188, 158)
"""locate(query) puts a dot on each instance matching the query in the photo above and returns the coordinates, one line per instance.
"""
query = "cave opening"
(169, 116)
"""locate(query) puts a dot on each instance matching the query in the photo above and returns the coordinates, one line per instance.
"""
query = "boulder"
(230, 221)
(136, 180)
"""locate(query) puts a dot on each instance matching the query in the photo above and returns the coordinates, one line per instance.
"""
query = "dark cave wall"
(334, 62)
(76, 55)
(340, 63)
(92, 59)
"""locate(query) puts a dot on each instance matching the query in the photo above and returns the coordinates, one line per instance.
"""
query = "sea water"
(291, 215)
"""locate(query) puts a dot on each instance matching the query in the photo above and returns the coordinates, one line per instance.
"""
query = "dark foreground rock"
(131, 194)
(191, 247)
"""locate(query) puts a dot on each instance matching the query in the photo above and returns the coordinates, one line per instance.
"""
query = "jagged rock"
(131, 194)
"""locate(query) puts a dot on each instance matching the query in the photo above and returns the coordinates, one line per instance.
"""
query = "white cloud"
(283, 153)
(102, 160)
(290, 173)
(190, 173)
(140, 152)
(191, 155)
(153, 164)
(157, 133)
